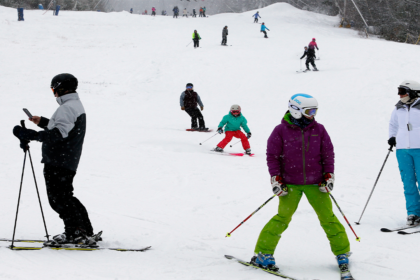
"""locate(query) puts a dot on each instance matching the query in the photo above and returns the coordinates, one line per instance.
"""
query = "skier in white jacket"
(404, 133)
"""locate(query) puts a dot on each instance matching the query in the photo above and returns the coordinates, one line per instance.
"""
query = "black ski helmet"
(189, 85)
(64, 82)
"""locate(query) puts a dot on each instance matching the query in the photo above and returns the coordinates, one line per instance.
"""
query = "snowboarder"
(256, 16)
(188, 102)
(153, 11)
(296, 171)
(263, 28)
(310, 58)
(196, 38)
(404, 133)
(224, 35)
(176, 11)
(234, 121)
(185, 14)
(194, 13)
(204, 11)
(312, 45)
(62, 143)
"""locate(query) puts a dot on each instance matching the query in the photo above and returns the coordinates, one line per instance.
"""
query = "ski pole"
(17, 209)
(229, 233)
(210, 138)
(389, 151)
(300, 64)
(235, 143)
(336, 204)
(188, 44)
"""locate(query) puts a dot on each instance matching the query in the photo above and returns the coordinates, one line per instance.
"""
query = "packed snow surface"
(146, 181)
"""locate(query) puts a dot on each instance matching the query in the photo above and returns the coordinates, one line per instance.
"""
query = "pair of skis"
(69, 247)
(347, 276)
(400, 230)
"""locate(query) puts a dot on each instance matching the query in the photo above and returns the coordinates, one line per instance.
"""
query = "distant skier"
(196, 38)
(310, 58)
(204, 11)
(188, 102)
(224, 35)
(256, 16)
(201, 12)
(62, 143)
(145, 12)
(185, 13)
(153, 11)
(312, 45)
(194, 13)
(176, 11)
(404, 133)
(234, 121)
(263, 28)
(131, 10)
(300, 159)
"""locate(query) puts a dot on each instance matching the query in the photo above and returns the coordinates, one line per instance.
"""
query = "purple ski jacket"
(300, 156)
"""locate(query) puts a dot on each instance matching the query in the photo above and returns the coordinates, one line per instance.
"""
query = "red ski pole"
(229, 233)
(336, 204)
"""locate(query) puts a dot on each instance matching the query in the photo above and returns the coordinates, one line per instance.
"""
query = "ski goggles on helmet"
(189, 87)
(310, 111)
(403, 90)
(235, 112)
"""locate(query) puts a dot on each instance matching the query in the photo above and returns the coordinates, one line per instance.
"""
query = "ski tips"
(403, 232)
(385, 230)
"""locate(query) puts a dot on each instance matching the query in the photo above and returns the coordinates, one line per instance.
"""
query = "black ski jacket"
(309, 54)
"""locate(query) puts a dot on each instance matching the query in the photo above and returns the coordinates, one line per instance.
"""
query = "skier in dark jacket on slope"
(188, 102)
(224, 35)
(310, 58)
(62, 143)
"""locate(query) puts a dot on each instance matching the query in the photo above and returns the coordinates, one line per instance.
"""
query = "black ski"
(405, 233)
(397, 229)
(275, 273)
(79, 248)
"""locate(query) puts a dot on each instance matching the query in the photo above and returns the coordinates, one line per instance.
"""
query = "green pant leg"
(336, 234)
(271, 233)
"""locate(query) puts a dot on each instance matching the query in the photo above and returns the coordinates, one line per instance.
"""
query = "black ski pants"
(256, 20)
(196, 43)
(194, 114)
(59, 182)
(265, 33)
(310, 59)
(224, 40)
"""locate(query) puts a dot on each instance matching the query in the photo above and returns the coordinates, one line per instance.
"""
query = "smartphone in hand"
(27, 113)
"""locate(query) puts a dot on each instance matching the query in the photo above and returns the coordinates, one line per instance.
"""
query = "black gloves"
(25, 134)
(392, 142)
(220, 130)
(248, 135)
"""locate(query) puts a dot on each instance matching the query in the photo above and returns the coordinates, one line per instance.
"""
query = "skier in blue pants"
(404, 133)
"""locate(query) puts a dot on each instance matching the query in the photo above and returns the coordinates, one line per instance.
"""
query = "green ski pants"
(321, 203)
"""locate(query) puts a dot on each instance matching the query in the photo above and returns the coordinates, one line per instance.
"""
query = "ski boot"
(203, 128)
(315, 69)
(194, 128)
(265, 261)
(413, 220)
(248, 152)
(343, 264)
(218, 149)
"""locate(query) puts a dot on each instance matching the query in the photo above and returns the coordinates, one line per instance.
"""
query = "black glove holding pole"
(25, 135)
(392, 142)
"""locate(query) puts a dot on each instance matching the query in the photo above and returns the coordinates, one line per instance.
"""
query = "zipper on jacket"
(303, 156)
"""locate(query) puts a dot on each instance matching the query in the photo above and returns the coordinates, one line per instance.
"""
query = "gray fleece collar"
(63, 99)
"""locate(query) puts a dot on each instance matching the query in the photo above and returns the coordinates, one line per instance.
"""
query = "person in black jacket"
(224, 35)
(188, 102)
(62, 143)
(310, 57)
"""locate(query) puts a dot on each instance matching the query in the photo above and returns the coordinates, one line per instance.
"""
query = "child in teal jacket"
(234, 121)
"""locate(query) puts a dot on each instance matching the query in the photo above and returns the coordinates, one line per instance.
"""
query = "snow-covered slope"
(145, 181)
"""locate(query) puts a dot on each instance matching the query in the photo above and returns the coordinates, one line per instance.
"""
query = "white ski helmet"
(303, 104)
(235, 109)
(410, 87)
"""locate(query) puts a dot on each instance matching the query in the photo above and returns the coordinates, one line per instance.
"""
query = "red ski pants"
(236, 134)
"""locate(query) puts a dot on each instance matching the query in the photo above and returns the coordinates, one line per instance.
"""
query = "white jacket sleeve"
(393, 124)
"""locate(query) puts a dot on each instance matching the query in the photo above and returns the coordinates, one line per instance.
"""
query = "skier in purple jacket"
(300, 159)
